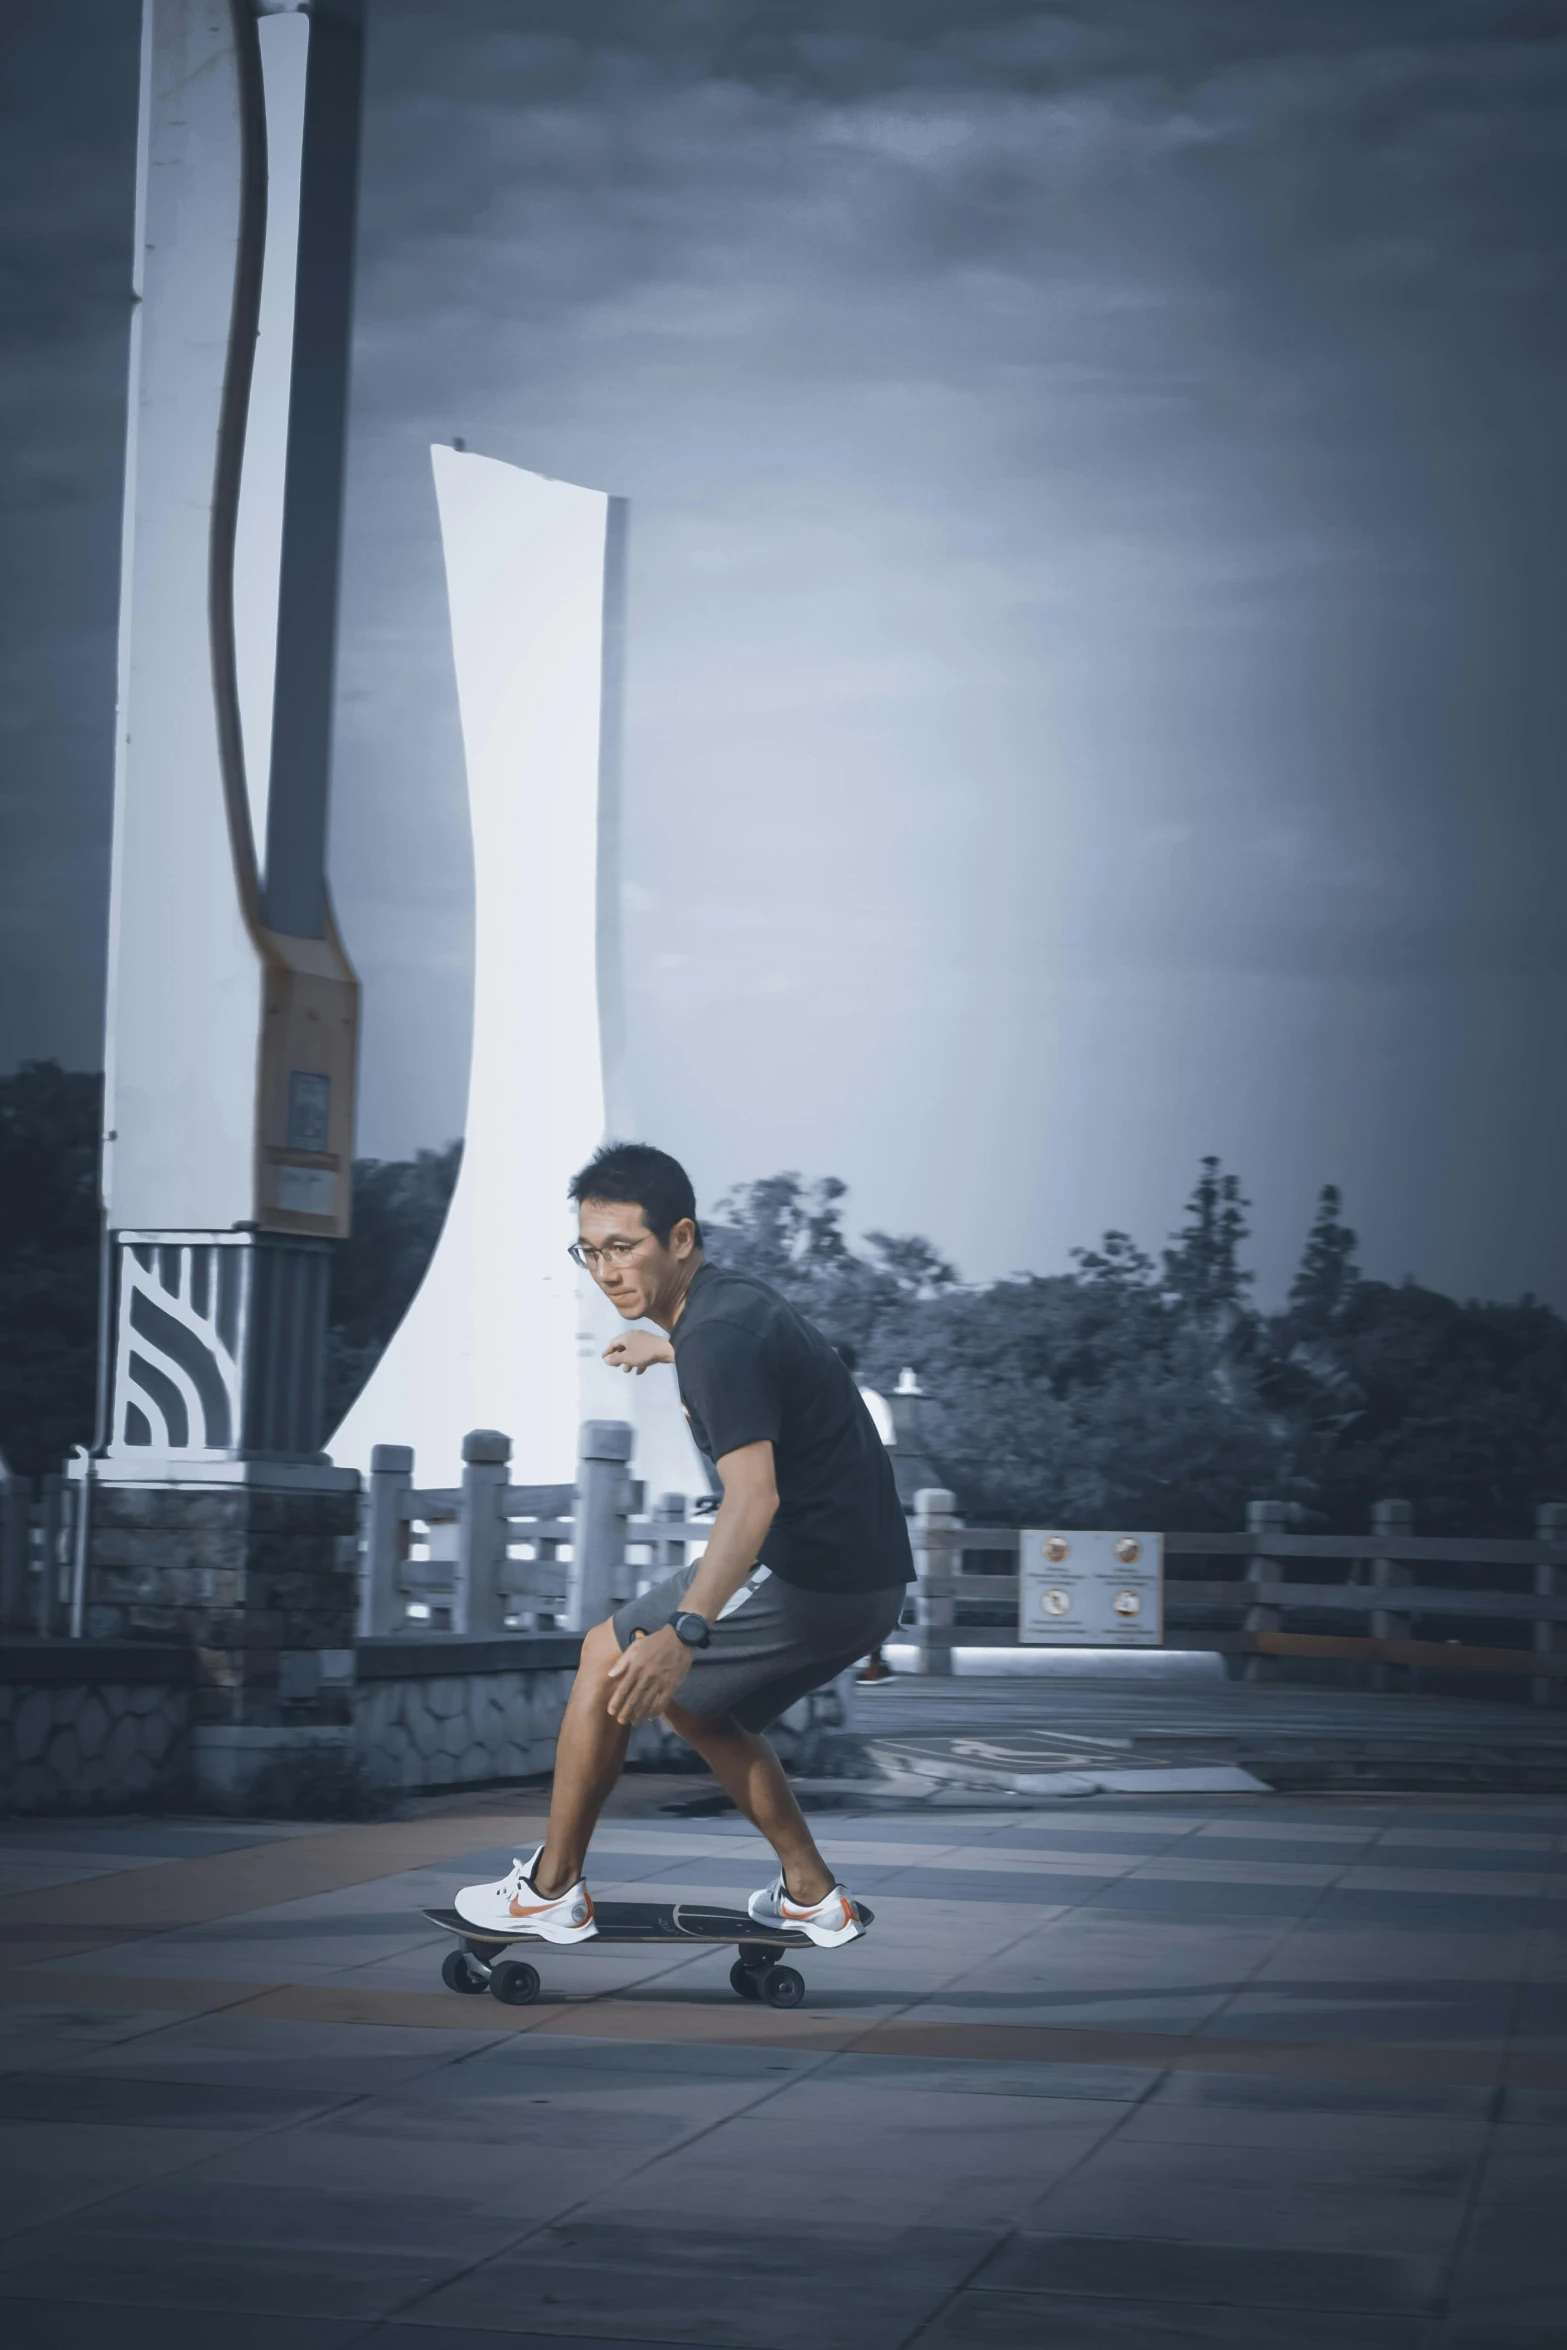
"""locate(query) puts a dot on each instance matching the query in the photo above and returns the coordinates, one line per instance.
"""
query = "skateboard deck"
(488, 1960)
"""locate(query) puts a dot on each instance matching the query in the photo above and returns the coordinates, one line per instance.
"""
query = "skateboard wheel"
(745, 1979)
(783, 1986)
(514, 1982)
(459, 1973)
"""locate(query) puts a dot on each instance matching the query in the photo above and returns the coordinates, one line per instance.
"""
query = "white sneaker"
(515, 1906)
(828, 1922)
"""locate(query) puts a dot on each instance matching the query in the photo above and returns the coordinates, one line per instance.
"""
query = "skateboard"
(482, 1960)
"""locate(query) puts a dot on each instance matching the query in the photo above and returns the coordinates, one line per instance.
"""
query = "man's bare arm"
(748, 1508)
(637, 1350)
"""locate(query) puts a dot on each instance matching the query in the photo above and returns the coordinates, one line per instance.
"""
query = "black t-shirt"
(750, 1368)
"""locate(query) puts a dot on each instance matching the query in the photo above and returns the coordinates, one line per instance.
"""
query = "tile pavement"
(1271, 2072)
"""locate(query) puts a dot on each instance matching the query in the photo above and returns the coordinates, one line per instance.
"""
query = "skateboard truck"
(757, 1975)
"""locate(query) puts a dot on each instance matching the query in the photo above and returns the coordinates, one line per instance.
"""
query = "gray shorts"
(777, 1646)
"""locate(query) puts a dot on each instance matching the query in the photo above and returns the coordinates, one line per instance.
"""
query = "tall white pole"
(216, 1519)
(232, 1010)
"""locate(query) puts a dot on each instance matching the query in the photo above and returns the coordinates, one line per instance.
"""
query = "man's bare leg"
(751, 1775)
(590, 1754)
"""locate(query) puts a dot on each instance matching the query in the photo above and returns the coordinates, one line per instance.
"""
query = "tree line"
(1138, 1388)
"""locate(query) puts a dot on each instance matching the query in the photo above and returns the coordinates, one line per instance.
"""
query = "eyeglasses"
(614, 1252)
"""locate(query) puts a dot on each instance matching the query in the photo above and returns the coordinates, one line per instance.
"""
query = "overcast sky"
(1097, 561)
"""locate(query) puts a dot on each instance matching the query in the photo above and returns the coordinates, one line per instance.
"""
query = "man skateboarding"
(807, 1491)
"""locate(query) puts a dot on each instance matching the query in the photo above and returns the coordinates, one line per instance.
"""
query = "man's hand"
(636, 1350)
(647, 1677)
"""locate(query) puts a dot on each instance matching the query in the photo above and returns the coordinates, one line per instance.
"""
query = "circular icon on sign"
(1128, 1603)
(1056, 1547)
(1055, 1603)
(1128, 1549)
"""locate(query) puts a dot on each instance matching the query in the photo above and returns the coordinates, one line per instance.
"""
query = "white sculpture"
(505, 1333)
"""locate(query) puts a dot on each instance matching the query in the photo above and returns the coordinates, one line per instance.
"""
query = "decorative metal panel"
(219, 1346)
(177, 1360)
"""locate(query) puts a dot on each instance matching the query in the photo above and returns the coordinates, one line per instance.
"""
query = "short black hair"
(647, 1178)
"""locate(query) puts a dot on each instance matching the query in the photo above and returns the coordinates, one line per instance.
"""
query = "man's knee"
(600, 1650)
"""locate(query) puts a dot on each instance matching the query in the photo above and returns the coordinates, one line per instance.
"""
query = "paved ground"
(1291, 1737)
(1272, 2072)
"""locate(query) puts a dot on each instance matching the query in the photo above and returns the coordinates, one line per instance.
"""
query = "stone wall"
(455, 1712)
(116, 1725)
(96, 1728)
(253, 1582)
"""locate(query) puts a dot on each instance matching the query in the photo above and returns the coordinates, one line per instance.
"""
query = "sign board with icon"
(1090, 1590)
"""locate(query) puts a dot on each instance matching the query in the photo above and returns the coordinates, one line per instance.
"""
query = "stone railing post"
(669, 1550)
(934, 1512)
(1396, 1518)
(1263, 1517)
(478, 1603)
(16, 1500)
(1550, 1582)
(382, 1601)
(598, 1549)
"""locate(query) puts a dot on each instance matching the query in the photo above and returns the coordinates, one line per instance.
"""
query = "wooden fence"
(1401, 1604)
(489, 1556)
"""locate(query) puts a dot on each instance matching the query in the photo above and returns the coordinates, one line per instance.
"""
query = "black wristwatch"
(693, 1629)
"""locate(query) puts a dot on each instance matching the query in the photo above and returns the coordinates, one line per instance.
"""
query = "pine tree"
(1202, 1272)
(1327, 1271)
(789, 1231)
(1117, 1265)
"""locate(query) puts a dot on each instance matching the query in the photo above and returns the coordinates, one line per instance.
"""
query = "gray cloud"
(1056, 620)
(1096, 507)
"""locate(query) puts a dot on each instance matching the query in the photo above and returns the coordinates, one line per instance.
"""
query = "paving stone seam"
(1384, 1842)
(277, 2128)
(902, 2034)
(1227, 2004)
(215, 1885)
(62, 1936)
(965, 2283)
(1490, 2148)
(557, 2219)
(1453, 2265)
